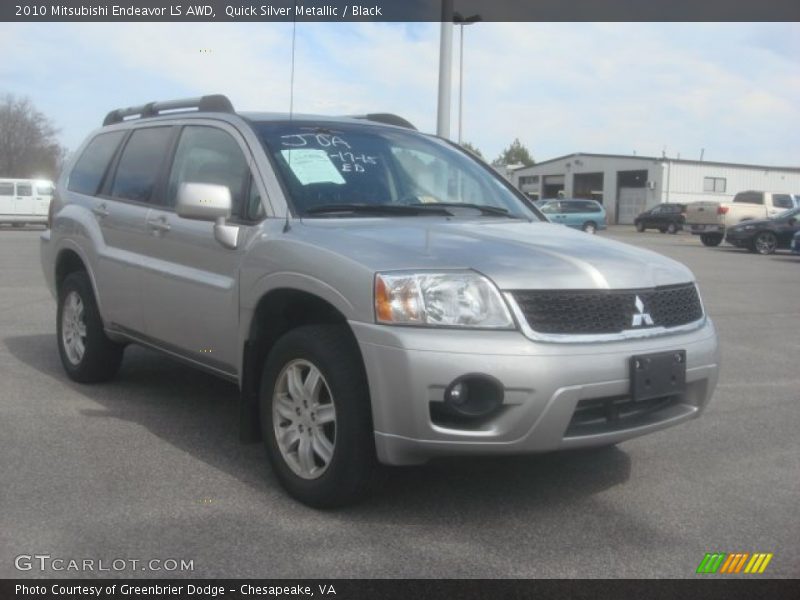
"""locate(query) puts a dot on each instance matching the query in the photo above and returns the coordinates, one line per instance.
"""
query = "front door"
(191, 298)
(23, 202)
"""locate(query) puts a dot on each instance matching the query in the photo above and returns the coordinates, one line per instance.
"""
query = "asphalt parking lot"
(149, 466)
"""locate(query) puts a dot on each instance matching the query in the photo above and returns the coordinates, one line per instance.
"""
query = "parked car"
(767, 235)
(376, 293)
(667, 218)
(586, 215)
(24, 201)
(709, 220)
(796, 243)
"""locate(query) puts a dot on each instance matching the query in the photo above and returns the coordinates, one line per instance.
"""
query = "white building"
(627, 185)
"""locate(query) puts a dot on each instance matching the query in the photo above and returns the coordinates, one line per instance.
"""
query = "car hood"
(514, 254)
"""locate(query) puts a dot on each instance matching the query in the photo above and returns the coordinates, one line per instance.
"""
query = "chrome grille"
(588, 312)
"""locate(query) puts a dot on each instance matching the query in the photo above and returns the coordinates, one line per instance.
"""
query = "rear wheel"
(315, 416)
(87, 354)
(672, 228)
(640, 226)
(765, 242)
(590, 227)
(711, 239)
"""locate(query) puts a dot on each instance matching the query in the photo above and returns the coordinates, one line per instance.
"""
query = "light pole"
(461, 21)
(445, 69)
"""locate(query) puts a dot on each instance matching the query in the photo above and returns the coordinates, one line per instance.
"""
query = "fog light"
(473, 396)
(457, 394)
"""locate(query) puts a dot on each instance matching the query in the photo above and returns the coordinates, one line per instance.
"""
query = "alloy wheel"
(766, 243)
(304, 419)
(73, 328)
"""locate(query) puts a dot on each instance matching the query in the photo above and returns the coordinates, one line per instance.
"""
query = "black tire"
(672, 228)
(590, 227)
(334, 352)
(101, 357)
(711, 239)
(639, 226)
(765, 243)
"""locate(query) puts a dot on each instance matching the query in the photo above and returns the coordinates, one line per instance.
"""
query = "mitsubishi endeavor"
(378, 294)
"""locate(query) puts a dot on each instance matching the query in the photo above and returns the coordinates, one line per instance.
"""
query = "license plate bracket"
(658, 375)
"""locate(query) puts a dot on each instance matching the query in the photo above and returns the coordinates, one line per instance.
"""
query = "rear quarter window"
(87, 174)
(6, 189)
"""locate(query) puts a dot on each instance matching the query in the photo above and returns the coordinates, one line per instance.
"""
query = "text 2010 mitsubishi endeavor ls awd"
(375, 292)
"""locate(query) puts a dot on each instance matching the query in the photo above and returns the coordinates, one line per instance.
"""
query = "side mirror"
(208, 202)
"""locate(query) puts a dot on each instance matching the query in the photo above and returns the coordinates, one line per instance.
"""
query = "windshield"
(334, 169)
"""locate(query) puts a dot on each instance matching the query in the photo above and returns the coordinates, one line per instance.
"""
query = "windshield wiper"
(379, 209)
(486, 209)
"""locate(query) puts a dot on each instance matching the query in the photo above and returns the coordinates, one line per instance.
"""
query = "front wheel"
(765, 242)
(315, 416)
(86, 352)
(640, 226)
(590, 227)
(711, 239)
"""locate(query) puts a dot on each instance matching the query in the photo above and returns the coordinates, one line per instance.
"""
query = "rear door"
(120, 208)
(7, 195)
(191, 300)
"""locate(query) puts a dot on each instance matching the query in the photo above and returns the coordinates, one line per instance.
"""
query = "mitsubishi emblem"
(640, 317)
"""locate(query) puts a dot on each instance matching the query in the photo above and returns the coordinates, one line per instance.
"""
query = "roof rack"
(212, 103)
(387, 118)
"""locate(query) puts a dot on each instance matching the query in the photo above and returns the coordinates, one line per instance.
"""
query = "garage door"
(632, 201)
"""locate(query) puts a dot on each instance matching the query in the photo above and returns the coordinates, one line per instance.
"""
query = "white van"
(24, 201)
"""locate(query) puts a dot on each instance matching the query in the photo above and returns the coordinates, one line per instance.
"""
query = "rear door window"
(24, 189)
(749, 197)
(140, 164)
(88, 172)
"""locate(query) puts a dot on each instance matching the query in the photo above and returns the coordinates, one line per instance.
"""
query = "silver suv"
(375, 292)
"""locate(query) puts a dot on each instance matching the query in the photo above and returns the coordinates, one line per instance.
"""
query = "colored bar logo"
(735, 562)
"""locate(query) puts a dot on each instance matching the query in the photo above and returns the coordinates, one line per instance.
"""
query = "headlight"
(456, 299)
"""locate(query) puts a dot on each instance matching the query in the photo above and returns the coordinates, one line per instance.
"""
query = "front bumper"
(544, 383)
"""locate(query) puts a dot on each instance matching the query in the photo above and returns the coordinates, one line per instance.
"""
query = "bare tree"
(28, 143)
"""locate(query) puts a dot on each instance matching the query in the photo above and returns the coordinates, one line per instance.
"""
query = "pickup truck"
(709, 220)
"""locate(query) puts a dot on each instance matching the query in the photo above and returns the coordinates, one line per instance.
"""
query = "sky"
(732, 89)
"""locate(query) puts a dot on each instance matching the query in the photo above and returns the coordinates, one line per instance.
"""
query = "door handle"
(100, 210)
(159, 224)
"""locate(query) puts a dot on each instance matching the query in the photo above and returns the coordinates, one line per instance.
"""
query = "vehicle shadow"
(198, 414)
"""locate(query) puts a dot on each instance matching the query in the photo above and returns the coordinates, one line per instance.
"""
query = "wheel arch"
(277, 312)
(70, 259)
